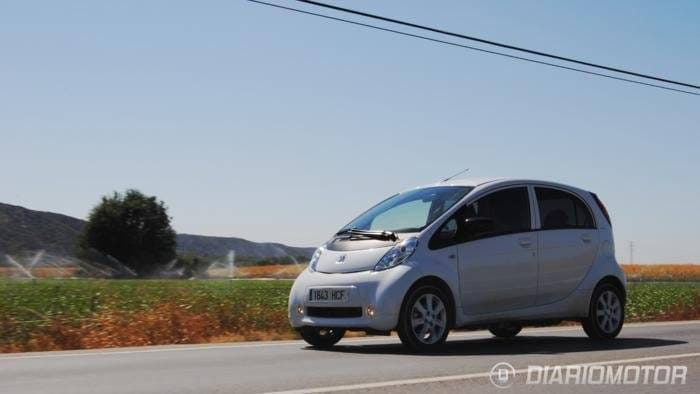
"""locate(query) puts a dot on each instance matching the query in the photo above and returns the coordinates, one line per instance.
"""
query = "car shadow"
(514, 346)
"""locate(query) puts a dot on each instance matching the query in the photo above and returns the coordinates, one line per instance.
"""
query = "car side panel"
(498, 273)
(576, 304)
(565, 256)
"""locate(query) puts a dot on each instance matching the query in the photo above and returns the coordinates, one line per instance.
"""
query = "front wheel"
(424, 319)
(321, 337)
(606, 313)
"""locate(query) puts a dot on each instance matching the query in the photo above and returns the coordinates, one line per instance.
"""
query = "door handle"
(525, 242)
(586, 238)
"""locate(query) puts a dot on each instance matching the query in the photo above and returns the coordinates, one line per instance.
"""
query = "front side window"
(498, 213)
(410, 211)
(502, 212)
(561, 210)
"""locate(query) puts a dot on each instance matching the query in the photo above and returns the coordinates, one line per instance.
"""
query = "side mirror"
(477, 227)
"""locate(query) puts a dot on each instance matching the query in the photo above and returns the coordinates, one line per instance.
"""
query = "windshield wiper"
(387, 235)
(409, 230)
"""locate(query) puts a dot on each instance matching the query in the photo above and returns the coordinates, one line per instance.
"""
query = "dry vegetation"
(167, 323)
(662, 272)
(42, 272)
(634, 272)
(279, 271)
(274, 271)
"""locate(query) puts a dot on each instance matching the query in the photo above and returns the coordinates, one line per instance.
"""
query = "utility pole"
(631, 252)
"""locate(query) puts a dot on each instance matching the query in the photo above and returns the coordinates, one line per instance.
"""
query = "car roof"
(495, 181)
(470, 181)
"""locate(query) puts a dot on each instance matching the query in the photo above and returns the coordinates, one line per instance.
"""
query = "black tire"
(505, 330)
(437, 320)
(604, 320)
(320, 337)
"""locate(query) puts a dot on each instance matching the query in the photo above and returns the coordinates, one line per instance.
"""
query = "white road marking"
(457, 335)
(365, 386)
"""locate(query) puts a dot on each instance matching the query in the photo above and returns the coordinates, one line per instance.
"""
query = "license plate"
(329, 295)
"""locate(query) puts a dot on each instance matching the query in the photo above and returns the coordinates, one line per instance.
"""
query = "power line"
(498, 44)
(472, 48)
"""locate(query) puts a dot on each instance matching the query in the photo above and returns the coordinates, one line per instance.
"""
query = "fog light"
(300, 309)
(370, 311)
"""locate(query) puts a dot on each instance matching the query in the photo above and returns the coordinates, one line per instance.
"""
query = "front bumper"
(381, 291)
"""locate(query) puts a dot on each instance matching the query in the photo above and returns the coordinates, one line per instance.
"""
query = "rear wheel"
(505, 330)
(606, 313)
(321, 337)
(424, 319)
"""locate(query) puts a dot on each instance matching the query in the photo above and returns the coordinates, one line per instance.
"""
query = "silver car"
(494, 253)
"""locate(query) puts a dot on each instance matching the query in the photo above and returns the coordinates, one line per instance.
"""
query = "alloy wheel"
(428, 318)
(608, 311)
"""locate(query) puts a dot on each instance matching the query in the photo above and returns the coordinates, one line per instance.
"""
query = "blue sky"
(253, 122)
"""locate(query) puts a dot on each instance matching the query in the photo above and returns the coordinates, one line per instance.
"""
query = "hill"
(24, 230)
(219, 246)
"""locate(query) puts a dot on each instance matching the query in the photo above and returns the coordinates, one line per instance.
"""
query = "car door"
(497, 253)
(568, 242)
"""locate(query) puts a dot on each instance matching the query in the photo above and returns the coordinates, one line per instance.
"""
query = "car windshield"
(409, 212)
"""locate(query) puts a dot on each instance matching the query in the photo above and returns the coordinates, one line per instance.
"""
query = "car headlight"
(314, 259)
(398, 254)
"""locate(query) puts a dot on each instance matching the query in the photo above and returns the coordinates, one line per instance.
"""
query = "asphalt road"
(373, 364)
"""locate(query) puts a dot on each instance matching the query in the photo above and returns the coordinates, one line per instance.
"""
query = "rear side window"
(560, 210)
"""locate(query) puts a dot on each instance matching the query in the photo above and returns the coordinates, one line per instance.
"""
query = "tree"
(132, 228)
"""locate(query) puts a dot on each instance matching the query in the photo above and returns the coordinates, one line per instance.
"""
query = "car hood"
(340, 261)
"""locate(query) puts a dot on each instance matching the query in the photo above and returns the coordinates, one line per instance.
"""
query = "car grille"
(317, 311)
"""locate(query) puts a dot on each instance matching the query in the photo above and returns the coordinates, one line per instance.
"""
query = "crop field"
(662, 272)
(41, 272)
(273, 271)
(276, 271)
(634, 272)
(51, 314)
(649, 301)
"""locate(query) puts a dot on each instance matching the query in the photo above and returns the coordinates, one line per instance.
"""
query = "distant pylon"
(631, 252)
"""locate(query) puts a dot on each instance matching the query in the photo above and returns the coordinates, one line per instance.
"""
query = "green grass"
(32, 309)
(652, 300)
(47, 298)
(28, 300)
